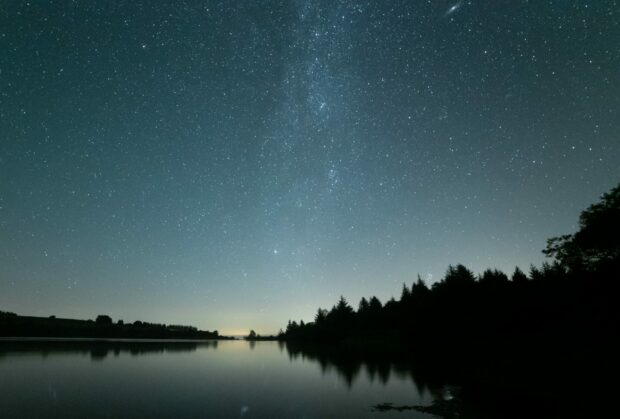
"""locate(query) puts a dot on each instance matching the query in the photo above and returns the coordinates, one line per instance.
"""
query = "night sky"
(234, 164)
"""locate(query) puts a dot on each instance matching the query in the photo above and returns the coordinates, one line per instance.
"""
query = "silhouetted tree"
(320, 316)
(343, 308)
(518, 277)
(493, 278)
(363, 307)
(374, 305)
(459, 275)
(597, 242)
(419, 290)
(535, 273)
(405, 294)
(341, 313)
(553, 271)
(292, 327)
(103, 319)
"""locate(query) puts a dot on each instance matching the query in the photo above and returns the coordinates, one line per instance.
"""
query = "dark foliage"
(103, 319)
(596, 245)
(253, 336)
(103, 327)
(572, 295)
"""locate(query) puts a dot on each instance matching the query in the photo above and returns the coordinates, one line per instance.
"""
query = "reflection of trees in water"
(99, 350)
(349, 364)
(477, 393)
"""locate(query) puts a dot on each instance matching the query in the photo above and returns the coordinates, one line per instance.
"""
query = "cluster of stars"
(292, 149)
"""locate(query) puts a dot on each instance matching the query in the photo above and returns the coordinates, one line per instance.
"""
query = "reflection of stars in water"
(453, 9)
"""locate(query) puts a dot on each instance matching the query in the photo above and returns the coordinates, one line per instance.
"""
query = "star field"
(236, 164)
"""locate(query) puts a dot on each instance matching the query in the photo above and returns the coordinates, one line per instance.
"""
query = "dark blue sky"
(234, 164)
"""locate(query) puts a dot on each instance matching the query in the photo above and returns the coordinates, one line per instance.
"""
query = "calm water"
(227, 379)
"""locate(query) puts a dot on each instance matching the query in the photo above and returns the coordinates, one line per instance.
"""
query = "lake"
(215, 379)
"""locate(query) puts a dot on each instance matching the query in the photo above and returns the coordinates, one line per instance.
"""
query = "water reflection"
(480, 394)
(99, 350)
(161, 379)
(65, 378)
(350, 365)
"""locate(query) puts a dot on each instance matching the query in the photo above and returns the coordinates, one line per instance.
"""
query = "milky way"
(236, 164)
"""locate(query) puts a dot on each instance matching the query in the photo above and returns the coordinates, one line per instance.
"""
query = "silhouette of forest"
(103, 326)
(574, 295)
(521, 338)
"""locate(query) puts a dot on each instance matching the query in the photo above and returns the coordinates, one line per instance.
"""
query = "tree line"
(103, 326)
(572, 296)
